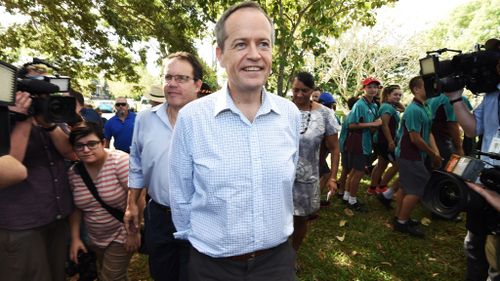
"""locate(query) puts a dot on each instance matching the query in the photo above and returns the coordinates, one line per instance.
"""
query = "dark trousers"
(275, 265)
(477, 265)
(168, 257)
(34, 254)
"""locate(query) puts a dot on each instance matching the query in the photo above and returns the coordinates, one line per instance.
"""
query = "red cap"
(369, 80)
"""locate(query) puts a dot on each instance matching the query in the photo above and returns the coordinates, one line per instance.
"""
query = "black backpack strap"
(90, 185)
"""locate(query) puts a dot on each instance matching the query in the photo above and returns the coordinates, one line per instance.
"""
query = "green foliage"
(87, 38)
(471, 23)
(302, 28)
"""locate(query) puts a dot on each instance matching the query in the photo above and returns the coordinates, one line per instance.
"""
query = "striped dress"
(111, 185)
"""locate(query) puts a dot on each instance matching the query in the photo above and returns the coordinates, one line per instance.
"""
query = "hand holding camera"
(23, 103)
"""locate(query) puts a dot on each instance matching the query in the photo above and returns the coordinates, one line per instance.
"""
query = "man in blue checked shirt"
(232, 162)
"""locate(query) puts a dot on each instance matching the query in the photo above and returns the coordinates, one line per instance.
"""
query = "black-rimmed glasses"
(90, 145)
(178, 78)
(121, 104)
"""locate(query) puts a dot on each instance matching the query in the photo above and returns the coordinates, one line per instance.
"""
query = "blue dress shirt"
(231, 179)
(487, 121)
(149, 153)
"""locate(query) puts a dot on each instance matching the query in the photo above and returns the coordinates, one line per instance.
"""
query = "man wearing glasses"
(120, 127)
(168, 257)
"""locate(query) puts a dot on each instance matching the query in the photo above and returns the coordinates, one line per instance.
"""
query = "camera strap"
(117, 214)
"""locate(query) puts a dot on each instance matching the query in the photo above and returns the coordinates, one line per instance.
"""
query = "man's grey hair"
(220, 30)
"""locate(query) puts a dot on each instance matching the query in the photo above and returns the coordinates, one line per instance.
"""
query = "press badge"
(495, 143)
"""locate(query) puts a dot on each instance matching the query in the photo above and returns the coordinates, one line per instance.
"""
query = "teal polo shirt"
(416, 118)
(360, 141)
(387, 108)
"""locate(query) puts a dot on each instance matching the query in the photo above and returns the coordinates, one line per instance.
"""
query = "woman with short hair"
(108, 170)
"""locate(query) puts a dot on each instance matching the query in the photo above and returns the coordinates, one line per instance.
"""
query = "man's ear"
(219, 54)
(198, 84)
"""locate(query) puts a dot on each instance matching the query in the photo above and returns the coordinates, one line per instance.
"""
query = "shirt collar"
(223, 102)
(161, 111)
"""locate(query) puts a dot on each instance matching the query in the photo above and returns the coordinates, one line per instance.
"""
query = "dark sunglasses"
(121, 104)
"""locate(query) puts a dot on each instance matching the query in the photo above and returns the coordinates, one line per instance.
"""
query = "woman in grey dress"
(318, 123)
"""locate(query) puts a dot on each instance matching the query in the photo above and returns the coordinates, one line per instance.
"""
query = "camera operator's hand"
(23, 103)
(492, 197)
(455, 95)
(76, 245)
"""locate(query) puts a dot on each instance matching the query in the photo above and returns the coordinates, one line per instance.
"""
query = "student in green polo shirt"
(361, 123)
(415, 144)
(445, 127)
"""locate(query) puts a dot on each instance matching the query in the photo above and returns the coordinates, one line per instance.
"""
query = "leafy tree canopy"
(89, 37)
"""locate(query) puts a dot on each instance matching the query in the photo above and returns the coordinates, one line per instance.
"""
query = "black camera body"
(86, 267)
(475, 71)
(54, 108)
(446, 193)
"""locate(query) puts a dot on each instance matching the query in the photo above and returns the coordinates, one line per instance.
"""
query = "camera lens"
(449, 194)
(445, 195)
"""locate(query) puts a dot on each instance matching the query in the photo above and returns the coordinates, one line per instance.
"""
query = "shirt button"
(56, 180)
(58, 217)
(45, 147)
(58, 197)
(51, 163)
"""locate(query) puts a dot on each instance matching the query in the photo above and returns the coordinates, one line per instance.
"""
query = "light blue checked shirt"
(149, 153)
(231, 180)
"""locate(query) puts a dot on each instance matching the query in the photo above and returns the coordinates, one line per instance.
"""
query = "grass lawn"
(364, 247)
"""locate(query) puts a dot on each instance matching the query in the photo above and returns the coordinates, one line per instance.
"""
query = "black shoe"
(386, 202)
(313, 216)
(406, 227)
(324, 203)
(412, 222)
(358, 206)
(340, 195)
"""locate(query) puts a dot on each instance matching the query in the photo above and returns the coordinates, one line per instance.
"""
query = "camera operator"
(484, 121)
(33, 213)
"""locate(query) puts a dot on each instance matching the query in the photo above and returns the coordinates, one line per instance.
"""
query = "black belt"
(160, 206)
(252, 255)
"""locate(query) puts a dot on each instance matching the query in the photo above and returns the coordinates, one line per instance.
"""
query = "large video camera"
(476, 71)
(447, 194)
(44, 90)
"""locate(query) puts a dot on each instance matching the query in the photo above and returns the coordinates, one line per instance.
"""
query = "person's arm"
(464, 117)
(135, 181)
(76, 243)
(180, 175)
(61, 141)
(332, 143)
(456, 137)
(492, 197)
(386, 118)
(11, 171)
(369, 125)
(20, 134)
(420, 143)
